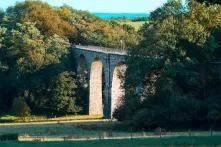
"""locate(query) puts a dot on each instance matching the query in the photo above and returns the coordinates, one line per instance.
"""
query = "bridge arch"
(82, 71)
(96, 88)
(117, 91)
(83, 79)
(102, 66)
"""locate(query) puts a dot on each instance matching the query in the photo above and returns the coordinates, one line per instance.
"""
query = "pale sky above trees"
(116, 6)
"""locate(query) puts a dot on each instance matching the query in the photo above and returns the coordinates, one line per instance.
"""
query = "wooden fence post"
(189, 132)
(211, 132)
(131, 133)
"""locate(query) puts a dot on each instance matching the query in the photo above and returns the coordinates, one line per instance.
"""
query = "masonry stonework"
(103, 65)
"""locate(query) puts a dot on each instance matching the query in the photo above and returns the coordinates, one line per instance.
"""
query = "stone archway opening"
(83, 79)
(82, 71)
(96, 90)
(117, 91)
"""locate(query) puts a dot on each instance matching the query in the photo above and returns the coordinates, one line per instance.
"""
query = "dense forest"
(36, 64)
(175, 81)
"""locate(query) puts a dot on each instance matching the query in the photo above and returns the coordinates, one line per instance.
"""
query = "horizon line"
(122, 12)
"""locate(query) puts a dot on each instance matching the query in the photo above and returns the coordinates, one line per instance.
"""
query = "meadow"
(91, 130)
(136, 24)
(102, 134)
(72, 129)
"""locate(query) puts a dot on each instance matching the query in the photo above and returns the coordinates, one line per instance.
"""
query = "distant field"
(108, 16)
(176, 141)
(137, 24)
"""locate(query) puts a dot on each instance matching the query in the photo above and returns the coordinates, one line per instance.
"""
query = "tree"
(2, 13)
(2, 36)
(24, 40)
(77, 26)
(208, 2)
(43, 15)
(5, 98)
(91, 30)
(170, 69)
(64, 98)
(20, 108)
(2, 40)
(171, 8)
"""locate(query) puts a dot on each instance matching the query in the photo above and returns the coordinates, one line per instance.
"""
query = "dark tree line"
(177, 84)
(209, 2)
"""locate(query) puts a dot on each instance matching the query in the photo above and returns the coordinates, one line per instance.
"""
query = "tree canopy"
(176, 82)
(36, 61)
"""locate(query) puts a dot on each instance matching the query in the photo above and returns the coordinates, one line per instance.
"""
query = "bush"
(6, 137)
(65, 99)
(21, 108)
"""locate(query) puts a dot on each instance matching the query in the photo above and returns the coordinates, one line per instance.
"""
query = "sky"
(112, 6)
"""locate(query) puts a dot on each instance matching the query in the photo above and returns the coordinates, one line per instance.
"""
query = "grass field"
(176, 141)
(137, 24)
(94, 129)
(82, 129)
(85, 130)
(98, 130)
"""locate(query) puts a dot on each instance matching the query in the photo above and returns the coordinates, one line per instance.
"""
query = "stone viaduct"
(100, 70)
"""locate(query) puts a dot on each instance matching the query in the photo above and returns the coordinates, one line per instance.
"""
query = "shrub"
(21, 108)
(6, 137)
(65, 99)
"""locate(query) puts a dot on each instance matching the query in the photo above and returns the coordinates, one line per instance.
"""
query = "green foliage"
(94, 31)
(2, 13)
(78, 26)
(24, 40)
(213, 44)
(36, 58)
(45, 17)
(20, 107)
(64, 94)
(209, 2)
(171, 8)
(2, 35)
(32, 55)
(173, 70)
(2, 41)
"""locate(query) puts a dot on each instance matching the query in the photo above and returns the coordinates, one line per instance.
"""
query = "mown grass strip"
(176, 141)
(35, 118)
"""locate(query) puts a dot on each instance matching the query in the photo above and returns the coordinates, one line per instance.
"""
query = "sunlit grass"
(137, 24)
(41, 118)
